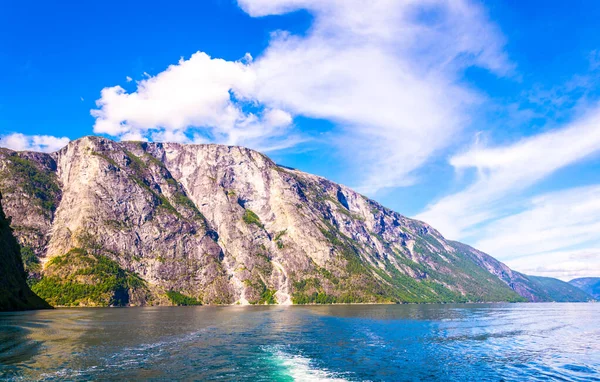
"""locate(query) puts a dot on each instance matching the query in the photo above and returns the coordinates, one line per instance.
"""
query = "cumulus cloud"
(385, 72)
(43, 143)
(503, 171)
(199, 99)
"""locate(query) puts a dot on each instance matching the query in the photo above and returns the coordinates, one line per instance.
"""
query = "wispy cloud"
(542, 234)
(594, 58)
(43, 143)
(565, 265)
(503, 171)
(386, 72)
(550, 222)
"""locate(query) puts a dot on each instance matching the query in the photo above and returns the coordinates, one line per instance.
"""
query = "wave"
(126, 358)
(299, 367)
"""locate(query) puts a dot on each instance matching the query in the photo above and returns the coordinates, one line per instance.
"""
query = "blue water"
(479, 342)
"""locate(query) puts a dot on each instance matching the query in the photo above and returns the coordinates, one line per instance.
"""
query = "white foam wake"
(300, 368)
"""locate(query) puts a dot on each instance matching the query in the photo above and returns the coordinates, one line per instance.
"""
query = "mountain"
(533, 288)
(14, 291)
(135, 223)
(590, 285)
(551, 289)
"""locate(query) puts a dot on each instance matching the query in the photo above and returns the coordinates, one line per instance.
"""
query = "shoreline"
(305, 305)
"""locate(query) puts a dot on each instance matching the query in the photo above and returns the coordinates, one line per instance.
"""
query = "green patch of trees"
(251, 218)
(79, 278)
(324, 298)
(36, 183)
(180, 299)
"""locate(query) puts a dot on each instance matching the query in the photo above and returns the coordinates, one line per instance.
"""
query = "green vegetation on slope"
(556, 290)
(251, 218)
(37, 184)
(435, 274)
(266, 296)
(390, 259)
(79, 278)
(300, 298)
(277, 239)
(14, 291)
(30, 261)
(180, 299)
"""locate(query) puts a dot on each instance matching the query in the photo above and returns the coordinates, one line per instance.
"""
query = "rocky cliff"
(165, 223)
(14, 291)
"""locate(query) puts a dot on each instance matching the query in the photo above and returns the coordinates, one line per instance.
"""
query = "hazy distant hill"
(557, 290)
(590, 285)
(134, 223)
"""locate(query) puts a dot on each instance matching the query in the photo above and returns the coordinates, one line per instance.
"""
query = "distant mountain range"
(590, 285)
(133, 223)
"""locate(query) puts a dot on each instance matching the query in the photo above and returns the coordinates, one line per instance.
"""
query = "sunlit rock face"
(225, 224)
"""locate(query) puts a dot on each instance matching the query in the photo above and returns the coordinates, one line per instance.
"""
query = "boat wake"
(298, 367)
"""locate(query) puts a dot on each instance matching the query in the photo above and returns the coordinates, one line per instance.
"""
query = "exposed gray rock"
(226, 224)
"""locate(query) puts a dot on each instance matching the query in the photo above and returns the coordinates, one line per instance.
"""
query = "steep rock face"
(31, 194)
(127, 206)
(14, 292)
(225, 224)
(590, 285)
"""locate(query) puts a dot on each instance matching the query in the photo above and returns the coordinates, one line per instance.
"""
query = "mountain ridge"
(590, 285)
(225, 224)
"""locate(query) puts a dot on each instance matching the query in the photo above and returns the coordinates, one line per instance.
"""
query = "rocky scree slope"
(14, 291)
(134, 223)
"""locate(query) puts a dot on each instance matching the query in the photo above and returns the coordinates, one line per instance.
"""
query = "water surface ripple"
(478, 342)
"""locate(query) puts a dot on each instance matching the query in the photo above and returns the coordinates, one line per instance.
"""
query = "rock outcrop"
(224, 224)
(14, 291)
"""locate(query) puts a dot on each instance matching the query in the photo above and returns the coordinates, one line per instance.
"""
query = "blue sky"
(480, 118)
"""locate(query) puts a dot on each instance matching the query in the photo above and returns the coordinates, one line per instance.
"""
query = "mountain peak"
(225, 224)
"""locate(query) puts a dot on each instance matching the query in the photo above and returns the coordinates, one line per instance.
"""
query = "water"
(476, 342)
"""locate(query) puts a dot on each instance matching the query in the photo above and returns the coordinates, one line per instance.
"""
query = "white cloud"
(386, 72)
(43, 143)
(194, 92)
(565, 265)
(548, 234)
(553, 221)
(198, 94)
(504, 171)
(128, 79)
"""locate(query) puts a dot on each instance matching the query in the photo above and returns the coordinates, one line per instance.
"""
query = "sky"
(479, 118)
